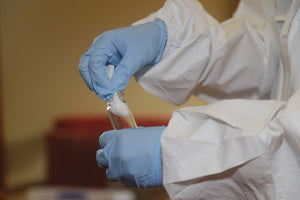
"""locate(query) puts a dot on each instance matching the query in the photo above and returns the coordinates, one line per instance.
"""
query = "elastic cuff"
(157, 171)
(160, 24)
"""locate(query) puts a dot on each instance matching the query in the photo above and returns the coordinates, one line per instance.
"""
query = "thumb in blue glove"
(132, 156)
(129, 49)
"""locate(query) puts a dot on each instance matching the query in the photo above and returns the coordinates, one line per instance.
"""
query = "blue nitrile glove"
(132, 156)
(129, 49)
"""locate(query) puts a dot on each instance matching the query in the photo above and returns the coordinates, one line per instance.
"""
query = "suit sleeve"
(234, 149)
(212, 60)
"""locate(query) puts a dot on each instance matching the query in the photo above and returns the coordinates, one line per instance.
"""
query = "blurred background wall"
(41, 43)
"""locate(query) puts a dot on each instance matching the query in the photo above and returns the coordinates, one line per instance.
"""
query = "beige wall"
(41, 44)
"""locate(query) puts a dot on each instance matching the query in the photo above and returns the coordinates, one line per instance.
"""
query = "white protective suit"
(245, 147)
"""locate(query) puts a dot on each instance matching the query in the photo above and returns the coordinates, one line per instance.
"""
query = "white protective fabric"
(245, 147)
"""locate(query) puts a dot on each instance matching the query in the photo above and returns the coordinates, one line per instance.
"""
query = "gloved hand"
(132, 156)
(129, 49)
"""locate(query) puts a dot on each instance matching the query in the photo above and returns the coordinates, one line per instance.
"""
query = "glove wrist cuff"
(160, 24)
(157, 163)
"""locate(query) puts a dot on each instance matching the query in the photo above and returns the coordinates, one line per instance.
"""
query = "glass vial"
(119, 113)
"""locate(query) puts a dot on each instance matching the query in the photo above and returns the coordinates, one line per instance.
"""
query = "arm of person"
(234, 59)
(234, 149)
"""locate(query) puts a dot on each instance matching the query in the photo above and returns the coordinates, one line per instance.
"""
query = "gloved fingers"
(105, 53)
(113, 58)
(101, 158)
(124, 70)
(93, 71)
(93, 67)
(120, 78)
(101, 83)
(113, 173)
(108, 136)
(84, 70)
(109, 49)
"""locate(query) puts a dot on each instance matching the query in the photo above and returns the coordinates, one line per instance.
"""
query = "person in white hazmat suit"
(245, 144)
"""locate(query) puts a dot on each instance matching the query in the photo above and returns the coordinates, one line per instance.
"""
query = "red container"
(71, 149)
